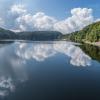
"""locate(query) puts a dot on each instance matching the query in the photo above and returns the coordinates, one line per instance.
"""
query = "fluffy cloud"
(24, 21)
(80, 18)
(39, 21)
(97, 20)
(18, 9)
(13, 13)
(43, 21)
(1, 22)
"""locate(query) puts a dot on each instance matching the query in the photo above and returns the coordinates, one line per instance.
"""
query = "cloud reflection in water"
(42, 51)
(13, 59)
(12, 70)
(38, 52)
(6, 85)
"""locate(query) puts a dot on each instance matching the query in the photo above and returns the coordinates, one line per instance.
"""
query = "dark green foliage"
(92, 51)
(91, 33)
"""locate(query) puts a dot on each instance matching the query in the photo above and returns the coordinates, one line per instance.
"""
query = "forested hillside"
(90, 33)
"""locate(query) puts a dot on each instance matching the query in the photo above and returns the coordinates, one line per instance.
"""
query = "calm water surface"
(49, 71)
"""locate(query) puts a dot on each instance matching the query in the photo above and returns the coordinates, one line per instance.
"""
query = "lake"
(53, 70)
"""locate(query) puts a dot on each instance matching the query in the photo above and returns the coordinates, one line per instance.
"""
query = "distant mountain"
(35, 36)
(90, 33)
(39, 35)
(6, 34)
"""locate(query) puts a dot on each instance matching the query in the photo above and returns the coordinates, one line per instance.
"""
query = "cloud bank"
(22, 20)
(39, 21)
(80, 18)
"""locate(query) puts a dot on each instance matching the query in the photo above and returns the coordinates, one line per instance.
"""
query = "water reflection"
(6, 85)
(15, 57)
(42, 51)
(12, 70)
(92, 51)
(50, 63)
(35, 51)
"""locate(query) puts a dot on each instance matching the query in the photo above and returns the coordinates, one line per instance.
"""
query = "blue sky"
(60, 15)
(61, 8)
(58, 8)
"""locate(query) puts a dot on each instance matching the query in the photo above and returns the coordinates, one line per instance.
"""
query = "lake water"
(49, 71)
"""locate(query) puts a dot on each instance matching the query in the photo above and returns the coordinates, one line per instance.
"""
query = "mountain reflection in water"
(15, 58)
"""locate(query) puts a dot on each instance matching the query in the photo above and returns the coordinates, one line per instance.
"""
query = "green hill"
(90, 33)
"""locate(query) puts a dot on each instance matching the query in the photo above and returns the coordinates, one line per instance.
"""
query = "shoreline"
(92, 43)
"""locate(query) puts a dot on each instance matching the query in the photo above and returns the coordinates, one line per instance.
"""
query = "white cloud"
(18, 9)
(21, 20)
(97, 20)
(80, 18)
(1, 22)
(25, 21)
(39, 21)
(14, 12)
(43, 22)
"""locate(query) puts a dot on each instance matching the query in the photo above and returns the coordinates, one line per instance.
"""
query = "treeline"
(7, 34)
(33, 36)
(90, 33)
(39, 35)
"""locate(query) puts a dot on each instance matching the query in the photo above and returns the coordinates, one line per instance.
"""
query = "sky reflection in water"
(42, 51)
(14, 57)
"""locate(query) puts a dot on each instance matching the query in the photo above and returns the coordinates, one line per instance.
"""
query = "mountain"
(39, 35)
(6, 34)
(35, 36)
(90, 33)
